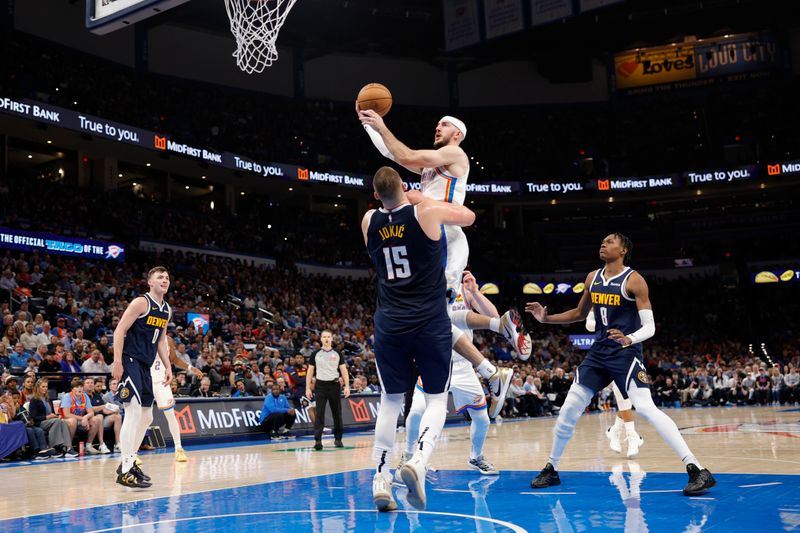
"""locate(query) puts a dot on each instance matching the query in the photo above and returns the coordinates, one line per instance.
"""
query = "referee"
(328, 363)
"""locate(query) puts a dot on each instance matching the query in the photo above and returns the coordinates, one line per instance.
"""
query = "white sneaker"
(104, 449)
(513, 330)
(89, 449)
(382, 492)
(403, 460)
(498, 388)
(634, 441)
(117, 449)
(613, 435)
(483, 466)
(413, 474)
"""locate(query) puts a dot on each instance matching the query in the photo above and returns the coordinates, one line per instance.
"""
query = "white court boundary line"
(538, 493)
(513, 527)
(72, 510)
(761, 485)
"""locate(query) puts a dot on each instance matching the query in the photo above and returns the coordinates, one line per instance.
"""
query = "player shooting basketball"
(444, 172)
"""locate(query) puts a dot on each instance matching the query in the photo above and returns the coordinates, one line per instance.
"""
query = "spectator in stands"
(790, 391)
(749, 385)
(7, 281)
(29, 339)
(180, 353)
(762, 386)
(776, 385)
(11, 382)
(26, 391)
(297, 375)
(43, 337)
(277, 418)
(95, 364)
(5, 361)
(559, 385)
(360, 385)
(204, 391)
(49, 364)
(722, 385)
(19, 359)
(241, 389)
(667, 394)
(37, 441)
(737, 394)
(108, 418)
(374, 384)
(111, 398)
(76, 407)
(56, 430)
(702, 394)
(69, 365)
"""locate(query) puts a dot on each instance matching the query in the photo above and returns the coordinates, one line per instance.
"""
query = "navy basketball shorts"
(429, 346)
(622, 366)
(136, 382)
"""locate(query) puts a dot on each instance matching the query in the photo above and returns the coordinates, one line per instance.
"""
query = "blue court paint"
(457, 501)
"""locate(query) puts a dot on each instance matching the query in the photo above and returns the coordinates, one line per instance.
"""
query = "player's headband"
(459, 124)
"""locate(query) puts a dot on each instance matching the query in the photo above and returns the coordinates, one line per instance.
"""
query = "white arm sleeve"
(377, 140)
(648, 328)
(591, 325)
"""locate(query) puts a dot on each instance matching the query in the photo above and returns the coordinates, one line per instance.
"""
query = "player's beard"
(441, 142)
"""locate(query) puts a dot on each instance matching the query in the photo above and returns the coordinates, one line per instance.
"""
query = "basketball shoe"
(548, 477)
(498, 388)
(699, 481)
(413, 474)
(512, 329)
(382, 492)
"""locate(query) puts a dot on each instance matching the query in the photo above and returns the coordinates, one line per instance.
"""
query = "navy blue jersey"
(141, 340)
(411, 282)
(613, 309)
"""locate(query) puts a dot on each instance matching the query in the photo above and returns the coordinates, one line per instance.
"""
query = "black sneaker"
(548, 477)
(132, 480)
(318, 445)
(699, 481)
(136, 470)
(338, 443)
(71, 452)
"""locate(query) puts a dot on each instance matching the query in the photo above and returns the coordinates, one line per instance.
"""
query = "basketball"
(376, 97)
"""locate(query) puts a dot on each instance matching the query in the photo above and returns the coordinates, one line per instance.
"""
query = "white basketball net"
(255, 24)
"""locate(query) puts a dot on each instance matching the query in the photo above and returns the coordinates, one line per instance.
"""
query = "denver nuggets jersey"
(613, 309)
(141, 340)
(411, 284)
(439, 185)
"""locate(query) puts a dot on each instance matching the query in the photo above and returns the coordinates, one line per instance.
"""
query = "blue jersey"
(613, 309)
(411, 282)
(141, 340)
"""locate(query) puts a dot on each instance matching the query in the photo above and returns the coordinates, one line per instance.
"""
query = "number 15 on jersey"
(397, 265)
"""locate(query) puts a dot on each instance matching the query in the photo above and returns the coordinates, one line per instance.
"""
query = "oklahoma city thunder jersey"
(141, 340)
(613, 309)
(439, 185)
(411, 285)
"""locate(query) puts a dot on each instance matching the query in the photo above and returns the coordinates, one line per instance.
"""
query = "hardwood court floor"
(762, 440)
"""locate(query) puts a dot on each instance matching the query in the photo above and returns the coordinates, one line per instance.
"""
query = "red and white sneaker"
(513, 330)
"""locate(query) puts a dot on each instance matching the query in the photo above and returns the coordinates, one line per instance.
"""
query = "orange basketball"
(376, 97)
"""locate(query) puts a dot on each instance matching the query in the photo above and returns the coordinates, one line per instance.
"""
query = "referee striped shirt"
(326, 364)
